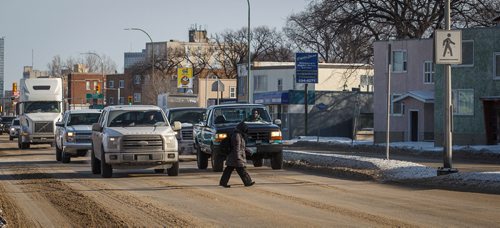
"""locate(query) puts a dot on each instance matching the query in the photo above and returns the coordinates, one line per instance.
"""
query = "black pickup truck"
(212, 136)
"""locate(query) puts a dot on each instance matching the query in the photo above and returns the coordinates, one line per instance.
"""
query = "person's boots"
(247, 180)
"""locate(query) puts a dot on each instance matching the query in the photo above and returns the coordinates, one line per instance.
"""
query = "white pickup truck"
(132, 137)
(73, 133)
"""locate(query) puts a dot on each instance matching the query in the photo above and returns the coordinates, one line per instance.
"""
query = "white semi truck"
(39, 107)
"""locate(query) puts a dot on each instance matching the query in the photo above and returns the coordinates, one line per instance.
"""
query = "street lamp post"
(249, 66)
(152, 50)
(102, 71)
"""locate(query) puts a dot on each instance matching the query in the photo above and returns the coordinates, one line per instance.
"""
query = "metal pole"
(447, 102)
(118, 94)
(249, 61)
(206, 91)
(388, 114)
(305, 111)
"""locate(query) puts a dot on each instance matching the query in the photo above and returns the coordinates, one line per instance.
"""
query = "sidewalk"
(401, 171)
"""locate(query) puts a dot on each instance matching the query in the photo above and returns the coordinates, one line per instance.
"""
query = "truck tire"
(95, 164)
(66, 158)
(257, 162)
(58, 154)
(174, 170)
(217, 162)
(19, 142)
(106, 169)
(11, 138)
(201, 158)
(277, 160)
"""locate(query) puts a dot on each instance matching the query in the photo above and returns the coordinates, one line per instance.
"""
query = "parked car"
(73, 133)
(14, 129)
(212, 137)
(131, 137)
(5, 122)
(188, 117)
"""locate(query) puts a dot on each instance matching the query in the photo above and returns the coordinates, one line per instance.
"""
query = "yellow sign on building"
(185, 78)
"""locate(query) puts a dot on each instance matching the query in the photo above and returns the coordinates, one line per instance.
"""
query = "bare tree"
(91, 62)
(55, 66)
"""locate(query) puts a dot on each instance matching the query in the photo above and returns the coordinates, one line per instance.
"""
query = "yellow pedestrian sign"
(448, 46)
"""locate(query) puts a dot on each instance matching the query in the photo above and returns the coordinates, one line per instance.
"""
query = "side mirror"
(60, 124)
(277, 121)
(177, 126)
(96, 127)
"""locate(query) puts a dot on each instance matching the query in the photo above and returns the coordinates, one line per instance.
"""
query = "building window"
(111, 100)
(398, 107)
(137, 80)
(428, 72)
(87, 85)
(463, 102)
(95, 85)
(232, 92)
(280, 84)
(467, 53)
(399, 61)
(260, 83)
(111, 84)
(496, 65)
(137, 98)
(121, 84)
(120, 100)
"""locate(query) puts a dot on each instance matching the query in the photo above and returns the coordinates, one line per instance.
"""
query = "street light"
(102, 70)
(152, 50)
(249, 66)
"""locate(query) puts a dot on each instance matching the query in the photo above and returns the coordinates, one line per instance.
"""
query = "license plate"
(142, 157)
(258, 141)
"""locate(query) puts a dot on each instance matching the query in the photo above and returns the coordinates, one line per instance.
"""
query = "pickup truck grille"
(83, 137)
(259, 135)
(142, 142)
(42, 127)
(187, 134)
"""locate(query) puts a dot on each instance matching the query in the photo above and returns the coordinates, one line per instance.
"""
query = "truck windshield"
(238, 114)
(192, 116)
(83, 118)
(126, 118)
(41, 106)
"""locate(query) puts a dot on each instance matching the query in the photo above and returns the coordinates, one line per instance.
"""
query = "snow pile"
(389, 169)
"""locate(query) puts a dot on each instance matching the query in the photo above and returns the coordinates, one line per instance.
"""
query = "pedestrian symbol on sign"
(447, 45)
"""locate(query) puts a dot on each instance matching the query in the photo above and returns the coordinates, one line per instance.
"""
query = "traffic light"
(98, 88)
(129, 100)
(14, 87)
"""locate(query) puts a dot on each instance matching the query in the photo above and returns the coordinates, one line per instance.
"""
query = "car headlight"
(276, 135)
(169, 140)
(12, 129)
(219, 137)
(70, 136)
(113, 142)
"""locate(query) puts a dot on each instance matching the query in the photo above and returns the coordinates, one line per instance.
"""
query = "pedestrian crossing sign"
(448, 47)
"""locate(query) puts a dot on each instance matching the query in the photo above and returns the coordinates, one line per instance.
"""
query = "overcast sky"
(70, 27)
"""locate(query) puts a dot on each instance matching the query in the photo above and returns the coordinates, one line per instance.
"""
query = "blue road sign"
(306, 67)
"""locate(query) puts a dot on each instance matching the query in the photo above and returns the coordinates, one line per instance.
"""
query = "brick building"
(79, 85)
(122, 87)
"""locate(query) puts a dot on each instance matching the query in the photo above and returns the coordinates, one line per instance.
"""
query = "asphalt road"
(37, 191)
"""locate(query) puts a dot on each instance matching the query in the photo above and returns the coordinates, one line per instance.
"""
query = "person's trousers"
(247, 180)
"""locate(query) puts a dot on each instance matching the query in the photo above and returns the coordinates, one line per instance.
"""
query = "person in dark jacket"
(236, 159)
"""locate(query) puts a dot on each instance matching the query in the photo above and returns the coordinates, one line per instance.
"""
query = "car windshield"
(83, 118)
(7, 119)
(192, 116)
(126, 118)
(15, 122)
(41, 106)
(238, 114)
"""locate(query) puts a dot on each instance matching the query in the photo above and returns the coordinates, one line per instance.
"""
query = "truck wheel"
(106, 169)
(95, 164)
(257, 162)
(11, 138)
(159, 170)
(277, 160)
(58, 154)
(201, 158)
(19, 142)
(217, 162)
(66, 158)
(174, 170)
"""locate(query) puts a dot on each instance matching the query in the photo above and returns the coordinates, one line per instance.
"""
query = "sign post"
(306, 71)
(447, 50)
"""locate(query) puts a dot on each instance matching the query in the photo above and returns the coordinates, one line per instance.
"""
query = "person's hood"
(149, 130)
(79, 128)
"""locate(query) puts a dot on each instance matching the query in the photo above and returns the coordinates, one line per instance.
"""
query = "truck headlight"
(276, 135)
(170, 140)
(12, 129)
(113, 142)
(70, 136)
(220, 137)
